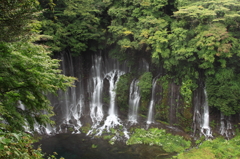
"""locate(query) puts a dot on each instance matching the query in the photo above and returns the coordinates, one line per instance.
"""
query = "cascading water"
(150, 118)
(111, 71)
(226, 127)
(143, 66)
(205, 128)
(40, 129)
(112, 119)
(96, 110)
(134, 101)
(21, 106)
(77, 113)
(115, 74)
(48, 129)
(72, 108)
(65, 109)
(103, 78)
(66, 106)
(201, 113)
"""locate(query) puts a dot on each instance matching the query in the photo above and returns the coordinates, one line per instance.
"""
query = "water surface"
(80, 146)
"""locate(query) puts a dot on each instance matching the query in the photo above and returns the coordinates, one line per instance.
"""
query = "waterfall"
(72, 108)
(66, 101)
(63, 104)
(96, 111)
(21, 106)
(40, 129)
(205, 129)
(77, 113)
(134, 101)
(115, 74)
(152, 102)
(226, 126)
(47, 130)
(111, 71)
(143, 66)
(112, 119)
(67, 105)
(201, 113)
(100, 83)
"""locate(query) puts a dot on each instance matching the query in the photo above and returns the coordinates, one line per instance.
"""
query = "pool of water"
(80, 146)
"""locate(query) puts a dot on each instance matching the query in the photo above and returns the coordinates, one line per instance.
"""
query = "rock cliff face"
(95, 100)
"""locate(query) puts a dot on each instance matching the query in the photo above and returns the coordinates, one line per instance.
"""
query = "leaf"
(8, 152)
(1, 146)
(15, 135)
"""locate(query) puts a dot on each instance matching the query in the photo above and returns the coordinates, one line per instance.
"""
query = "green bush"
(159, 137)
(162, 109)
(17, 145)
(218, 148)
(122, 91)
(145, 85)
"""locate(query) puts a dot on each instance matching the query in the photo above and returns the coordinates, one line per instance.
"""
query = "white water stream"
(226, 128)
(96, 111)
(134, 101)
(111, 71)
(205, 128)
(150, 118)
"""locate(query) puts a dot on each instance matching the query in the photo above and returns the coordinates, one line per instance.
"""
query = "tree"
(204, 40)
(27, 76)
(73, 26)
(27, 72)
(136, 26)
(16, 19)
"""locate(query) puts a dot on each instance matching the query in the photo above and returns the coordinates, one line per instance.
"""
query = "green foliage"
(218, 148)
(17, 19)
(72, 24)
(198, 154)
(185, 119)
(155, 136)
(208, 42)
(94, 146)
(106, 99)
(204, 41)
(135, 25)
(145, 85)
(122, 91)
(107, 137)
(213, 124)
(223, 91)
(28, 74)
(85, 129)
(162, 109)
(17, 145)
(187, 88)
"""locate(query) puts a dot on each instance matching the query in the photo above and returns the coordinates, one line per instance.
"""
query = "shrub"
(145, 85)
(159, 137)
(218, 148)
